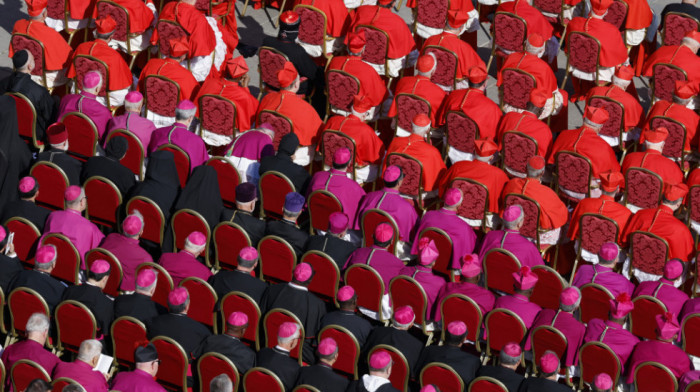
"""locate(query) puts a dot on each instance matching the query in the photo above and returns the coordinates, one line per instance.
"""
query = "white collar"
(296, 286)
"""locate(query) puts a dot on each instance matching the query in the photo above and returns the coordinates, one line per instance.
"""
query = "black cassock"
(15, 156)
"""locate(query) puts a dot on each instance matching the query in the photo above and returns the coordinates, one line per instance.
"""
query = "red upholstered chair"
(693, 386)
(74, 324)
(127, 333)
(573, 173)
(499, 266)
(277, 259)
(162, 95)
(648, 252)
(654, 377)
(271, 61)
(58, 384)
(442, 376)
(690, 332)
(675, 142)
(259, 379)
(228, 178)
(550, 7)
(617, 12)
(186, 221)
(326, 275)
(332, 140)
(502, 327)
(280, 123)
(368, 286)
(312, 25)
(83, 64)
(400, 371)
(24, 372)
(443, 264)
(548, 288)
(582, 53)
(643, 189)
(218, 114)
(408, 106)
(305, 388)
(342, 87)
(172, 372)
(376, 48)
(167, 31)
(459, 307)
(664, 80)
(213, 364)
(26, 120)
(273, 188)
(236, 301)
(153, 219)
(475, 203)
(271, 324)
(21, 304)
(531, 225)
(547, 338)
(462, 130)
(594, 231)
(432, 13)
(67, 258)
(486, 384)
(229, 239)
(509, 33)
(115, 275)
(615, 126)
(406, 291)
(135, 154)
(104, 211)
(596, 357)
(516, 87)
(322, 204)
(518, 148)
(595, 302)
(26, 238)
(348, 349)
(123, 30)
(164, 284)
(447, 61)
(692, 203)
(412, 170)
(20, 41)
(675, 26)
(82, 135)
(643, 316)
(373, 218)
(203, 299)
(182, 162)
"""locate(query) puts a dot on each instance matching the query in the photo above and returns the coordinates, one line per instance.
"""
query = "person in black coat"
(25, 206)
(397, 336)
(510, 358)
(58, 142)
(465, 364)
(230, 345)
(687, 7)
(277, 359)
(15, 156)
(333, 243)
(224, 282)
(109, 166)
(90, 294)
(177, 325)
(321, 374)
(547, 380)
(287, 228)
(246, 196)
(161, 183)
(9, 264)
(377, 380)
(283, 162)
(346, 316)
(139, 305)
(39, 279)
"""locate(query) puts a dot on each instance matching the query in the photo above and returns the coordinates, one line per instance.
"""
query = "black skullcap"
(20, 59)
(116, 147)
(288, 144)
(145, 354)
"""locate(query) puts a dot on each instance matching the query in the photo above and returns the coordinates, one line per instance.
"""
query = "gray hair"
(297, 333)
(534, 173)
(133, 106)
(221, 383)
(514, 224)
(38, 322)
(194, 248)
(290, 213)
(184, 114)
(571, 308)
(77, 200)
(73, 388)
(592, 124)
(143, 290)
(507, 359)
(89, 349)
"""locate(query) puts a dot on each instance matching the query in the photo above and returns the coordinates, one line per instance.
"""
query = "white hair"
(514, 224)
(420, 131)
(654, 146)
(147, 289)
(133, 106)
(534, 50)
(184, 114)
(574, 306)
(623, 83)
(591, 124)
(194, 248)
(534, 173)
(89, 349)
(221, 383)
(77, 200)
(38, 322)
(295, 335)
(429, 73)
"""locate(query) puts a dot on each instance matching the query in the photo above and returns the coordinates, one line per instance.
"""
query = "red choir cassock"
(140, 16)
(527, 123)
(466, 55)
(305, 120)
(371, 84)
(679, 113)
(604, 205)
(57, 52)
(613, 51)
(679, 55)
(491, 176)
(81, 9)
(693, 178)
(553, 212)
(429, 156)
(424, 88)
(201, 36)
(652, 160)
(634, 114)
(246, 103)
(475, 104)
(369, 148)
(119, 73)
(337, 17)
(535, 21)
(533, 65)
(660, 221)
(586, 142)
(172, 70)
(401, 40)
(229, 25)
(639, 15)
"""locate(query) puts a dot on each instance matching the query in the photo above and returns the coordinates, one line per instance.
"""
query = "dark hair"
(454, 340)
(341, 166)
(98, 277)
(31, 193)
(246, 263)
(382, 244)
(477, 85)
(38, 385)
(307, 281)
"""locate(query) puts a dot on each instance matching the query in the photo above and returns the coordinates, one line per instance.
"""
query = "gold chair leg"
(245, 7)
(284, 2)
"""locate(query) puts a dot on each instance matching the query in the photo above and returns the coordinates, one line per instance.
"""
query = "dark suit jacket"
(339, 250)
(28, 210)
(358, 326)
(71, 166)
(462, 362)
(138, 306)
(110, 169)
(9, 268)
(536, 384)
(44, 284)
(403, 341)
(282, 163)
(241, 355)
(226, 281)
(509, 378)
(689, 9)
(322, 377)
(302, 62)
(280, 363)
(95, 300)
(296, 237)
(252, 225)
(189, 333)
(46, 106)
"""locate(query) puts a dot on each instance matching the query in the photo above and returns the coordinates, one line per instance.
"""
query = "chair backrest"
(135, 153)
(237, 301)
(677, 133)
(58, 384)
(644, 188)
(332, 140)
(119, 14)
(22, 303)
(24, 372)
(259, 379)
(168, 30)
(595, 358)
(442, 376)
(305, 388)
(218, 114)
(368, 285)
(406, 291)
(153, 218)
(321, 205)
(162, 95)
(326, 275)
(26, 238)
(203, 299)
(643, 316)
(648, 252)
(74, 324)
(547, 338)
(127, 333)
(182, 162)
(595, 302)
(105, 211)
(531, 208)
(271, 61)
(518, 148)
(690, 332)
(348, 348)
(664, 80)
(499, 265)
(692, 202)
(26, 120)
(583, 51)
(228, 179)
(475, 200)
(67, 258)
(271, 324)
(516, 87)
(548, 288)
(213, 364)
(373, 218)
(277, 259)
(693, 386)
(675, 26)
(342, 87)
(595, 230)
(408, 106)
(164, 284)
(280, 123)
(82, 135)
(574, 172)
(412, 170)
(183, 223)
(83, 64)
(654, 377)
(312, 24)
(116, 273)
(432, 13)
(510, 31)
(445, 73)
(20, 41)
(486, 384)
(462, 130)
(273, 187)
(502, 327)
(443, 264)
(615, 124)
(56, 9)
(229, 239)
(617, 13)
(377, 45)
(400, 371)
(172, 372)
(459, 307)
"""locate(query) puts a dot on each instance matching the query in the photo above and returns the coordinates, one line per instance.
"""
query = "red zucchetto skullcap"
(361, 104)
(392, 173)
(26, 184)
(549, 362)
(146, 277)
(345, 293)
(539, 97)
(303, 271)
(45, 254)
(536, 163)
(36, 7)
(383, 232)
(178, 296)
(327, 346)
(380, 359)
(91, 79)
(421, 120)
(57, 133)
(596, 115)
(356, 41)
(457, 18)
(287, 75)
(477, 75)
(287, 329)
(179, 46)
(72, 193)
(625, 72)
(99, 266)
(105, 25)
(197, 239)
(248, 253)
(457, 328)
(600, 7)
(535, 40)
(426, 63)
(694, 35)
(237, 319)
(236, 67)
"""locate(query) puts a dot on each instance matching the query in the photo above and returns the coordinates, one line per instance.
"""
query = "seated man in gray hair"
(221, 383)
(81, 370)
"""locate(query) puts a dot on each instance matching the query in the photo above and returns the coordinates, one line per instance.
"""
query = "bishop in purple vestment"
(511, 240)
(378, 257)
(519, 303)
(423, 272)
(178, 135)
(603, 274)
(469, 286)
(132, 121)
(125, 247)
(81, 371)
(140, 379)
(32, 348)
(86, 103)
(611, 331)
(663, 289)
(184, 263)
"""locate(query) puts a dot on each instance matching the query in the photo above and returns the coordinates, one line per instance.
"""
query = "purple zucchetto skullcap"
(549, 362)
(287, 329)
(673, 269)
(453, 196)
(178, 296)
(246, 192)
(303, 271)
(132, 225)
(72, 193)
(429, 388)
(609, 251)
(341, 156)
(569, 296)
(404, 315)
(134, 97)
(197, 239)
(146, 277)
(3, 234)
(471, 265)
(457, 328)
(237, 319)
(512, 349)
(345, 293)
(26, 184)
(327, 346)
(512, 213)
(294, 202)
(338, 222)
(383, 232)
(248, 253)
(380, 359)
(603, 381)
(91, 79)
(392, 173)
(268, 126)
(100, 266)
(186, 104)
